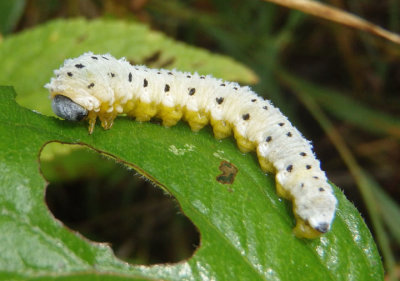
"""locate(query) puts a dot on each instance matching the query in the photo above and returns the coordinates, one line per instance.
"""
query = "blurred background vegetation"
(340, 87)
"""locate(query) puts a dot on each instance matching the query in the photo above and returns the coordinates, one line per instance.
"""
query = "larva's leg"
(244, 144)
(107, 119)
(281, 191)
(304, 230)
(144, 111)
(196, 119)
(170, 115)
(129, 107)
(265, 165)
(221, 128)
(92, 116)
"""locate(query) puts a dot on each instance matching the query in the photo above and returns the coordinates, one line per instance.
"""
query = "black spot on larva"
(95, 58)
(265, 107)
(79, 65)
(192, 91)
(170, 73)
(289, 134)
(130, 77)
(303, 154)
(69, 74)
(315, 177)
(219, 100)
(91, 85)
(145, 83)
(253, 100)
(268, 139)
(166, 88)
(281, 124)
(302, 185)
(188, 76)
(229, 172)
(202, 77)
(158, 72)
(321, 189)
(223, 85)
(235, 88)
(246, 116)
(289, 168)
(104, 57)
(308, 167)
(111, 74)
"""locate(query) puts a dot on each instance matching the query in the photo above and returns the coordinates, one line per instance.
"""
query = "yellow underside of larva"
(197, 120)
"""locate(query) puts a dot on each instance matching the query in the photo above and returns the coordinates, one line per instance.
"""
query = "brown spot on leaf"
(130, 60)
(157, 60)
(167, 63)
(153, 58)
(81, 38)
(229, 172)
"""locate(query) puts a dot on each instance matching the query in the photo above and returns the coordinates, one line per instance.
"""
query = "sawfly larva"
(100, 86)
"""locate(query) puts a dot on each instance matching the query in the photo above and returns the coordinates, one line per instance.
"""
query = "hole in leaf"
(106, 202)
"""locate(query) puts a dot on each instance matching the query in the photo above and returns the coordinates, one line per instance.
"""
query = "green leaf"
(10, 13)
(29, 58)
(246, 230)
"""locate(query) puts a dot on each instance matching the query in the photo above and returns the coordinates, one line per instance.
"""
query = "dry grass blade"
(337, 15)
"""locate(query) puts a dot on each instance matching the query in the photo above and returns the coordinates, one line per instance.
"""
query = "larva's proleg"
(100, 86)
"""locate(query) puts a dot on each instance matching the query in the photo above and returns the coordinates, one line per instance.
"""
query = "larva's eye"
(65, 108)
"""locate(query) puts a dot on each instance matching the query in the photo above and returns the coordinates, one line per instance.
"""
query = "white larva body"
(106, 87)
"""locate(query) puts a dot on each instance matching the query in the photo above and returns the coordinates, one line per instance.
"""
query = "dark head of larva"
(65, 108)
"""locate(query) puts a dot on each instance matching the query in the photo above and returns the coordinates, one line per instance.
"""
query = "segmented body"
(106, 87)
